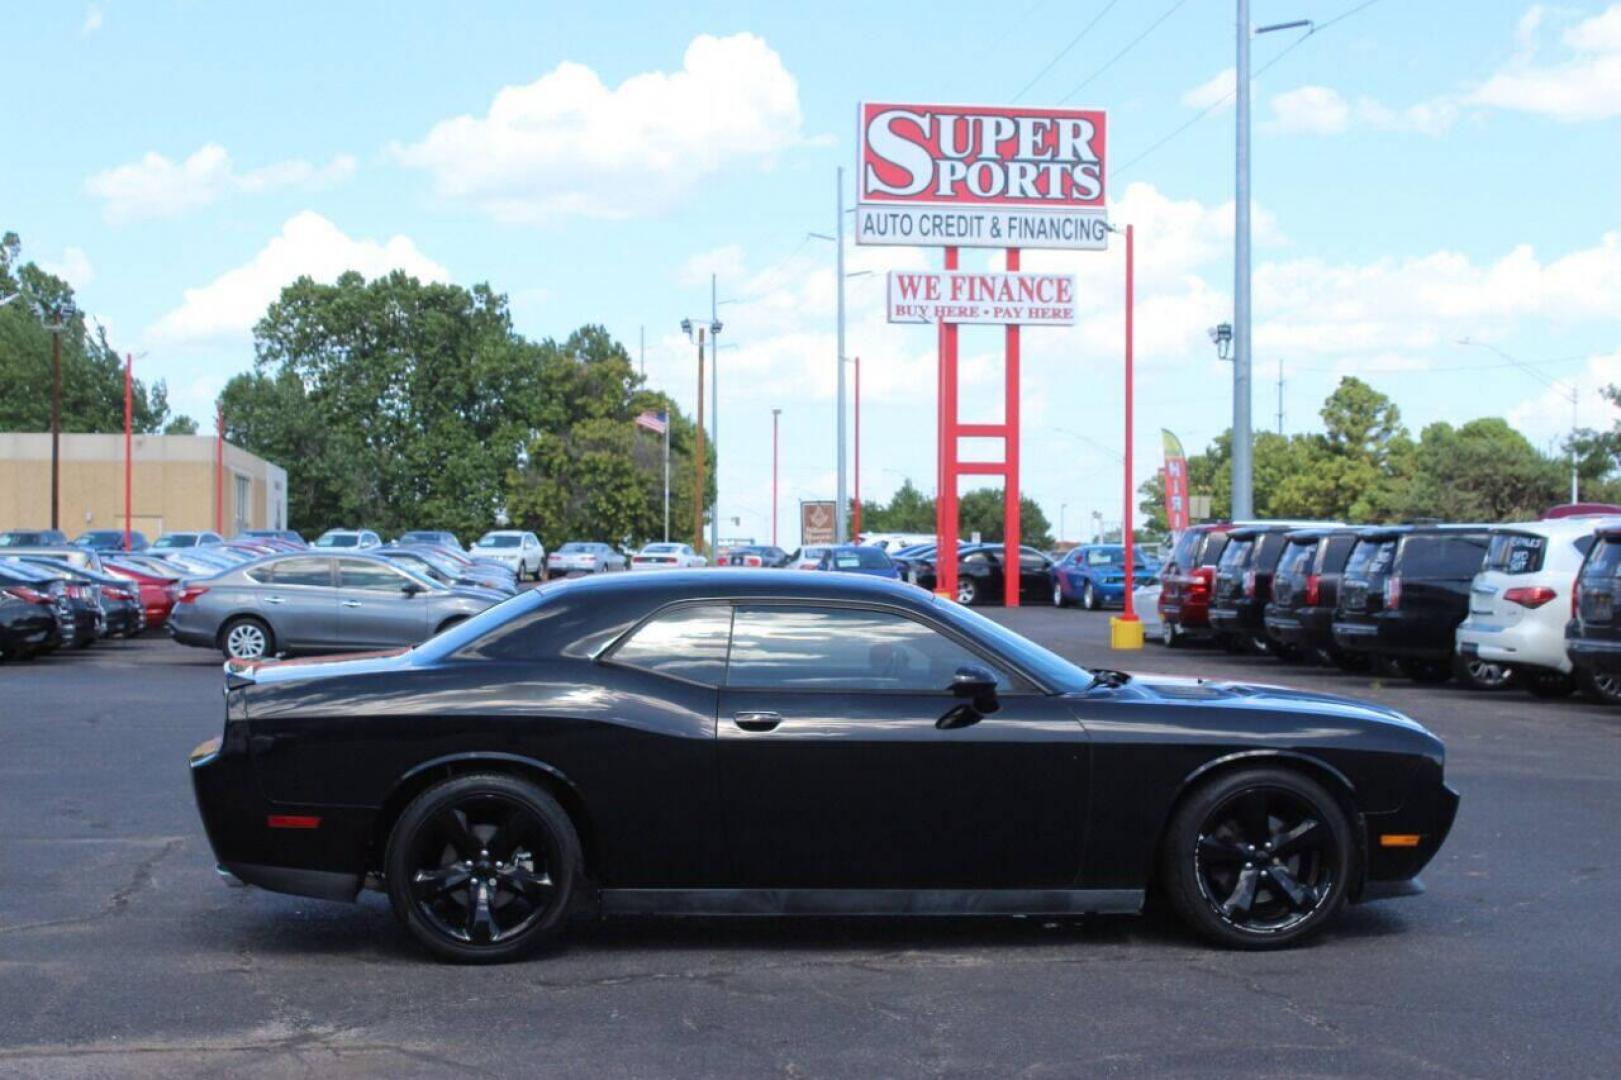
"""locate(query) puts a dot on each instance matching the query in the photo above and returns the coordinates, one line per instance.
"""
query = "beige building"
(173, 484)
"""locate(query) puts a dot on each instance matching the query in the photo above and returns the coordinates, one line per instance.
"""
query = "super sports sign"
(972, 176)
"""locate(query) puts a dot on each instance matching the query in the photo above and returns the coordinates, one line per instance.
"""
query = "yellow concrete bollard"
(1125, 633)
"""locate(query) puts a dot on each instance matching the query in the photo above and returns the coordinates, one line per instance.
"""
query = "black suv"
(1305, 587)
(1244, 585)
(1404, 592)
(1593, 635)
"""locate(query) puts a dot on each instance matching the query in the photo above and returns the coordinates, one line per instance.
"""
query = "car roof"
(734, 582)
(1572, 526)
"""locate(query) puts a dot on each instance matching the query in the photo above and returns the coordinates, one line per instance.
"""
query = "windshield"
(498, 540)
(1045, 665)
(338, 540)
(177, 540)
(574, 549)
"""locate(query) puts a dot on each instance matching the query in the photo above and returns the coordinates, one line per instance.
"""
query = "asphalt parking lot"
(120, 953)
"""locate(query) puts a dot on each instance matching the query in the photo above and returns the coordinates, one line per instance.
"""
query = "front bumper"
(1418, 830)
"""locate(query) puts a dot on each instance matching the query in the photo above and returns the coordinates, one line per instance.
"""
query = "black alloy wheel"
(483, 868)
(1481, 674)
(1594, 686)
(1259, 859)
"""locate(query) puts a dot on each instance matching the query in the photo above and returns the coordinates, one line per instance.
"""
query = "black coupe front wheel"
(1258, 859)
(483, 868)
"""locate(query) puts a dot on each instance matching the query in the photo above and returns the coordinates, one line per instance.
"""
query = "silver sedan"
(308, 603)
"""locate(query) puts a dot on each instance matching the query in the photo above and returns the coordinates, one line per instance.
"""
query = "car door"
(836, 770)
(300, 599)
(374, 608)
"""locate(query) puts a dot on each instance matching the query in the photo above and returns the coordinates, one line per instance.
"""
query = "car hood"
(1220, 694)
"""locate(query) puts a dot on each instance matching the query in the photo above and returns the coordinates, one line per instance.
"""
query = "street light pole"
(56, 419)
(1243, 495)
(776, 415)
(841, 509)
(714, 415)
(855, 529)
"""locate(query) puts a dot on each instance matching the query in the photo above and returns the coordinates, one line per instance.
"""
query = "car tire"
(1483, 674)
(1170, 635)
(1059, 599)
(1234, 890)
(1424, 671)
(247, 638)
(1547, 684)
(1089, 597)
(1604, 689)
(472, 825)
(968, 593)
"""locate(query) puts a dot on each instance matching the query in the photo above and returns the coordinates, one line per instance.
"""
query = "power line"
(1074, 41)
(1225, 98)
(1130, 45)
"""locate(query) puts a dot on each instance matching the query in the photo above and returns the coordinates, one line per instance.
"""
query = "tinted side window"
(1442, 556)
(1516, 553)
(872, 558)
(354, 574)
(1186, 545)
(1604, 560)
(1267, 551)
(1235, 555)
(1370, 558)
(684, 643)
(842, 649)
(300, 572)
(1335, 550)
(1296, 559)
(1212, 550)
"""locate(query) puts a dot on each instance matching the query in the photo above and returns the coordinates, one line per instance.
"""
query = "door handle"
(350, 603)
(757, 721)
(275, 600)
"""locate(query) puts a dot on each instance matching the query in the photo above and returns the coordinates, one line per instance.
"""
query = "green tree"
(982, 511)
(1483, 470)
(92, 370)
(908, 510)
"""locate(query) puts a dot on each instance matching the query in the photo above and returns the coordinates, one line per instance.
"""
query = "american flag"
(653, 421)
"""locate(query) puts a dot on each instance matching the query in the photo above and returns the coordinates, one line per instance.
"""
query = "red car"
(156, 597)
(1186, 582)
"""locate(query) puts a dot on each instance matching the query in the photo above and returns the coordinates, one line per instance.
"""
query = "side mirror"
(977, 687)
(411, 588)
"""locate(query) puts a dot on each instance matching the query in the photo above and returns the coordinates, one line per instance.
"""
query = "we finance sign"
(960, 297)
(981, 176)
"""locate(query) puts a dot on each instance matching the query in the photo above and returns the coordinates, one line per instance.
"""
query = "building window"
(242, 497)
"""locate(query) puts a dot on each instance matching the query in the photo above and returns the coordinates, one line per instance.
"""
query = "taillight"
(1575, 597)
(190, 593)
(1200, 585)
(1313, 589)
(1529, 596)
(1392, 593)
(1249, 583)
(27, 595)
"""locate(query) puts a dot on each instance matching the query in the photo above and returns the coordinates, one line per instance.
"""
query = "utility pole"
(714, 415)
(776, 415)
(56, 419)
(1280, 395)
(698, 490)
(841, 506)
(1243, 494)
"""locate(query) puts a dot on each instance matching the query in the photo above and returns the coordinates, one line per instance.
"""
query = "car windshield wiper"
(1108, 678)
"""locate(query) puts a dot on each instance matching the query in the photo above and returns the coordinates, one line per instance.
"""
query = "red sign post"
(957, 176)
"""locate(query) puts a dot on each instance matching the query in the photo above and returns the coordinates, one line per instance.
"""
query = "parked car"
(666, 555)
(32, 538)
(1145, 605)
(83, 621)
(157, 590)
(1094, 575)
(858, 559)
(68, 554)
(471, 766)
(170, 541)
(979, 575)
(583, 557)
(1299, 617)
(429, 561)
(1243, 585)
(26, 621)
(1593, 635)
(1520, 601)
(314, 603)
(357, 539)
(478, 565)
(1186, 581)
(520, 552)
(285, 536)
(31, 584)
(110, 540)
(893, 542)
(767, 556)
(806, 558)
(119, 600)
(435, 537)
(1404, 592)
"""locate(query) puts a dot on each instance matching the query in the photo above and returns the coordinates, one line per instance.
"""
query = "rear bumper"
(1389, 634)
(1525, 643)
(1595, 655)
(1192, 616)
(1304, 627)
(1236, 616)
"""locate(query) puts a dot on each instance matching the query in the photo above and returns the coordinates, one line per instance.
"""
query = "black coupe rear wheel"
(1258, 859)
(482, 868)
(1602, 688)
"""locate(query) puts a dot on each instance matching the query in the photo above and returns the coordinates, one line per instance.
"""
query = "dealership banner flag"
(1176, 482)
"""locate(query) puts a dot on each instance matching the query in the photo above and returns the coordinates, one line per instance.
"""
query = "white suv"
(1520, 601)
(522, 552)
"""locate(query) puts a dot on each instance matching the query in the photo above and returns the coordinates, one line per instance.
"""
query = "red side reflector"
(293, 821)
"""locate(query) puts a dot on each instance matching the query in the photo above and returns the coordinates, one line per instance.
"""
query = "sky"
(1424, 172)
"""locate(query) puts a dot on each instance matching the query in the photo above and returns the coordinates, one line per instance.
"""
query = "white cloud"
(73, 267)
(1309, 110)
(1546, 418)
(724, 262)
(1222, 86)
(93, 17)
(156, 186)
(1584, 85)
(566, 144)
(308, 244)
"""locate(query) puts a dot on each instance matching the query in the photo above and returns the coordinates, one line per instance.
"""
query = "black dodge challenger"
(770, 742)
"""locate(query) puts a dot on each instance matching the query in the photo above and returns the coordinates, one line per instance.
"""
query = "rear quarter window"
(1296, 559)
(1333, 553)
(1604, 560)
(1371, 557)
(1235, 554)
(1214, 546)
(1442, 556)
(1516, 553)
